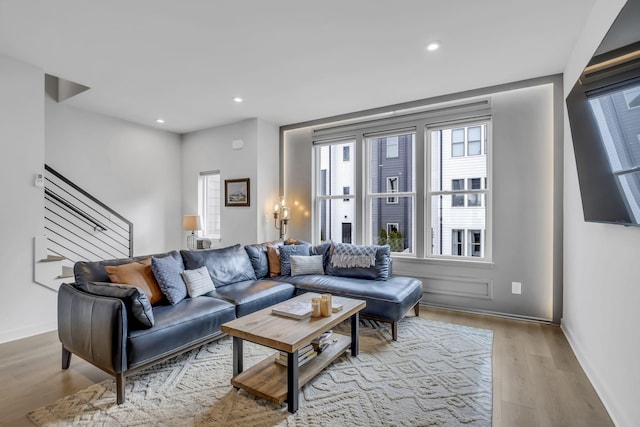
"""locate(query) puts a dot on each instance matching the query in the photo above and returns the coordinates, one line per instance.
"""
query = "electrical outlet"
(516, 288)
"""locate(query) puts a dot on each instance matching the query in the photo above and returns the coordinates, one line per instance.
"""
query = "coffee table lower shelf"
(268, 379)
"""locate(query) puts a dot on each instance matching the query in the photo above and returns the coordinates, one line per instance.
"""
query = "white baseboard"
(29, 331)
(608, 400)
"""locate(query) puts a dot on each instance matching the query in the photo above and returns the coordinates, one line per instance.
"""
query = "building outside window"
(346, 153)
(209, 203)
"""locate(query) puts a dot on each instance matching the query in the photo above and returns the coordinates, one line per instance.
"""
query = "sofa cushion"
(259, 258)
(137, 274)
(380, 271)
(93, 271)
(286, 251)
(273, 256)
(226, 265)
(306, 265)
(168, 274)
(387, 300)
(253, 295)
(135, 301)
(177, 326)
(198, 281)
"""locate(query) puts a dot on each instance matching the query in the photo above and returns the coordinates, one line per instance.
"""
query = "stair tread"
(52, 258)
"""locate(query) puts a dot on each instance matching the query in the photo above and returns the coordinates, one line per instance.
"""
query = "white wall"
(601, 276)
(210, 149)
(25, 307)
(133, 169)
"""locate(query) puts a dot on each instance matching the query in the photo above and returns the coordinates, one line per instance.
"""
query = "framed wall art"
(236, 192)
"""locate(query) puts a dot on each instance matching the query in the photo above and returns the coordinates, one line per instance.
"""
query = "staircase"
(77, 227)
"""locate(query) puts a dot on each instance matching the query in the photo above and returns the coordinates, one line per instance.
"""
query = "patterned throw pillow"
(306, 265)
(198, 281)
(286, 252)
(136, 274)
(168, 274)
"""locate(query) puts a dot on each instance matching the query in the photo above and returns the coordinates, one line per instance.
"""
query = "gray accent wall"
(527, 206)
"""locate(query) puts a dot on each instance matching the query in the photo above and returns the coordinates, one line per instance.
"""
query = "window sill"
(444, 261)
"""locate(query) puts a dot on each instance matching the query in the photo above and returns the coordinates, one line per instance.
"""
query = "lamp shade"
(191, 222)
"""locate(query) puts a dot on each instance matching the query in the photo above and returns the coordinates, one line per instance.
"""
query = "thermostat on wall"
(238, 144)
(39, 180)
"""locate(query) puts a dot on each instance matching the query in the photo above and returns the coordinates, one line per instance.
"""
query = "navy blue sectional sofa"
(117, 329)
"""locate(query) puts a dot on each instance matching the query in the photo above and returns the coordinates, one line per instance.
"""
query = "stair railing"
(80, 227)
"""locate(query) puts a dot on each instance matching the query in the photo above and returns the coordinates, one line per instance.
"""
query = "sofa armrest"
(93, 327)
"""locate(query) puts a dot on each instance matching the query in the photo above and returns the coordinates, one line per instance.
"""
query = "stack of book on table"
(305, 354)
(323, 341)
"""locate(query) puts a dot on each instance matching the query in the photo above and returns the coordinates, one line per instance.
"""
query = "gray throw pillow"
(135, 301)
(168, 274)
(306, 265)
(198, 281)
(285, 253)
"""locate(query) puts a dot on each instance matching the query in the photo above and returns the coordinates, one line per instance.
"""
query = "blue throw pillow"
(285, 253)
(168, 274)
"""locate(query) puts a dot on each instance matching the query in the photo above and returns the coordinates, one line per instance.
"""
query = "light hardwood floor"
(537, 380)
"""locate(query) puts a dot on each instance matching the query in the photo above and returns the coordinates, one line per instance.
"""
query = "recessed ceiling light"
(237, 99)
(433, 45)
(161, 121)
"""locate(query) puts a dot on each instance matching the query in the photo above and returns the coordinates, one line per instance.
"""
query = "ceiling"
(290, 60)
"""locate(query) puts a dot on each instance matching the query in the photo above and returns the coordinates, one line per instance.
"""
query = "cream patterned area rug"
(436, 374)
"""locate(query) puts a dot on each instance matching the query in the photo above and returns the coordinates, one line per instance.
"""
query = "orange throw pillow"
(273, 255)
(136, 274)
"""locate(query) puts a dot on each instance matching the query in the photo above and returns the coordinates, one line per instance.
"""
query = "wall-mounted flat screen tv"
(604, 115)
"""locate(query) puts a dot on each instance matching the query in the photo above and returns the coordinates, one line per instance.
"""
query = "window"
(474, 199)
(346, 153)
(475, 243)
(457, 241)
(392, 147)
(346, 232)
(391, 191)
(457, 142)
(346, 190)
(457, 199)
(450, 218)
(332, 207)
(392, 187)
(209, 203)
(457, 193)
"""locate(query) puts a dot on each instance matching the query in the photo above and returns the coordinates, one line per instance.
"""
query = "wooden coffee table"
(275, 382)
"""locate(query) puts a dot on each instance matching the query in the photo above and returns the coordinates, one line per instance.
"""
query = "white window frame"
(367, 141)
(206, 214)
(334, 198)
(486, 191)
